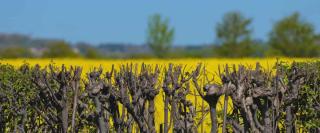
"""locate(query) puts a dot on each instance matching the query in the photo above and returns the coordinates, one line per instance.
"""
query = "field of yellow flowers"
(211, 66)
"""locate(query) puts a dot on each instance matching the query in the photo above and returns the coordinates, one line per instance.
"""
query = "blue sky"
(97, 21)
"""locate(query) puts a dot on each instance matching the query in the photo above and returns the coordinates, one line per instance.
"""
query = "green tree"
(160, 35)
(15, 52)
(293, 37)
(60, 50)
(89, 51)
(234, 36)
(93, 53)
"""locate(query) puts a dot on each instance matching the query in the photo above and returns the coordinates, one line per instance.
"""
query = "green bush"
(15, 52)
(60, 50)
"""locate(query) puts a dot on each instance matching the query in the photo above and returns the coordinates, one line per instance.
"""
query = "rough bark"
(225, 109)
(290, 128)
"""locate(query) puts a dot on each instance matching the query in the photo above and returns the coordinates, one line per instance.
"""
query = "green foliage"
(307, 104)
(15, 52)
(92, 53)
(309, 97)
(160, 35)
(16, 93)
(234, 36)
(190, 53)
(141, 56)
(89, 51)
(60, 50)
(293, 37)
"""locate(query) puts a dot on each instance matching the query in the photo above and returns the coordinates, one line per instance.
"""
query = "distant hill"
(123, 48)
(7, 40)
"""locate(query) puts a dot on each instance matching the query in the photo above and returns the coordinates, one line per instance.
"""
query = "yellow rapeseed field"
(211, 65)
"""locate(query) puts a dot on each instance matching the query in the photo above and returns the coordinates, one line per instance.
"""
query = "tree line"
(60, 99)
(292, 36)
